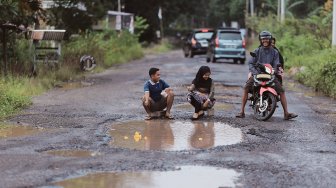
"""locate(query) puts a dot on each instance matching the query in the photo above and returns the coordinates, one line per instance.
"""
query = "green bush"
(15, 94)
(319, 71)
(108, 48)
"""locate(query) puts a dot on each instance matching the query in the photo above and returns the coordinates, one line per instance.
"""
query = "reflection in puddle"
(188, 176)
(7, 131)
(173, 135)
(74, 153)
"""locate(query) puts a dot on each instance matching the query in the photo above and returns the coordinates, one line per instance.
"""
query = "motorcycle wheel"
(266, 110)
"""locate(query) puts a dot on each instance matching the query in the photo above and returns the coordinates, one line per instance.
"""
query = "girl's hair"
(199, 81)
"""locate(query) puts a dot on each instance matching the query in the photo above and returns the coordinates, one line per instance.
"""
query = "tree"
(14, 13)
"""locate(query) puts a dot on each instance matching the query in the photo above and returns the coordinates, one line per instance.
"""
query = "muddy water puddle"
(9, 131)
(74, 153)
(173, 135)
(74, 85)
(186, 176)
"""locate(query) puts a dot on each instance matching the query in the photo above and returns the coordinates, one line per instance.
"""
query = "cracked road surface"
(76, 130)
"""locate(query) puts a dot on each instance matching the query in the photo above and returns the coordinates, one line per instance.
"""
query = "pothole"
(186, 176)
(173, 135)
(73, 153)
(8, 131)
(74, 85)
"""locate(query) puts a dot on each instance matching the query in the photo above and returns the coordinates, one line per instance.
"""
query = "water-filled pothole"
(8, 131)
(74, 153)
(74, 85)
(173, 135)
(186, 176)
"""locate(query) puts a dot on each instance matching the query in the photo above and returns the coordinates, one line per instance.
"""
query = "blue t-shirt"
(155, 89)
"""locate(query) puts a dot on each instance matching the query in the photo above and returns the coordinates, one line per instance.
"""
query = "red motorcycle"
(264, 97)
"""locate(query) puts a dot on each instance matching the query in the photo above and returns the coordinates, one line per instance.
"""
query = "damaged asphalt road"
(276, 153)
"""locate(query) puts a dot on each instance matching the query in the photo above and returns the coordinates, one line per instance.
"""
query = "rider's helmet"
(265, 34)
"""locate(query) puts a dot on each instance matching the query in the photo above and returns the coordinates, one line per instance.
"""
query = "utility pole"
(283, 5)
(119, 6)
(118, 18)
(246, 8)
(279, 5)
(252, 15)
(252, 7)
(161, 22)
(334, 25)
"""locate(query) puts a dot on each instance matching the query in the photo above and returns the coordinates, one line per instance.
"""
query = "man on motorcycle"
(265, 54)
(282, 61)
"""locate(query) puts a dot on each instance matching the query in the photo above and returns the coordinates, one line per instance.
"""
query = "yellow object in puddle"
(137, 136)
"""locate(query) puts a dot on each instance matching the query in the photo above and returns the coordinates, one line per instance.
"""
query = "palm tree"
(290, 5)
(272, 6)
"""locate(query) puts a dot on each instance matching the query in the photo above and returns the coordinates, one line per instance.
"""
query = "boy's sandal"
(169, 116)
(195, 118)
(290, 116)
(148, 117)
(240, 115)
(200, 115)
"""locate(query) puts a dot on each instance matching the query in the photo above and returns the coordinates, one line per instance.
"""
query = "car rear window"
(203, 35)
(230, 36)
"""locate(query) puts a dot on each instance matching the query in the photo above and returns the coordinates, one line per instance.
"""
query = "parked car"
(227, 43)
(197, 42)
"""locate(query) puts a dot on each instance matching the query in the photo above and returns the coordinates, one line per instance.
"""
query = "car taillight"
(193, 42)
(217, 42)
(244, 44)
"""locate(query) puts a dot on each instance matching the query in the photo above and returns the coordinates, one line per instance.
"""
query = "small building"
(116, 21)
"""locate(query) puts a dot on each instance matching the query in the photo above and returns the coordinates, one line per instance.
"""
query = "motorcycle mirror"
(253, 54)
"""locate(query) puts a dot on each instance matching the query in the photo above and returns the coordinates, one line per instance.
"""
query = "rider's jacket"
(264, 56)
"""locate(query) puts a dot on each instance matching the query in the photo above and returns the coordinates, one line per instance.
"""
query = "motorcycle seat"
(264, 76)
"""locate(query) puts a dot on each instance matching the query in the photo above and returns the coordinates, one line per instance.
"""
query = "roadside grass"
(162, 47)
(317, 70)
(16, 93)
(108, 48)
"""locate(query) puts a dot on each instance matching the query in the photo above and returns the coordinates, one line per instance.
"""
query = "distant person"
(202, 91)
(282, 62)
(158, 95)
